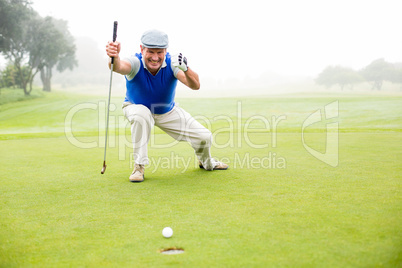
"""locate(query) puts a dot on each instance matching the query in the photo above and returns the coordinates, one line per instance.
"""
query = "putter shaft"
(107, 118)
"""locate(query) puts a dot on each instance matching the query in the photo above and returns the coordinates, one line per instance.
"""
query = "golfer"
(151, 79)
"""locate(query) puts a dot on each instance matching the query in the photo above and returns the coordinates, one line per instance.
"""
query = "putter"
(108, 102)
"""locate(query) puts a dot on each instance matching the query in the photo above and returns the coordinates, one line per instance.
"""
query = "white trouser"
(179, 124)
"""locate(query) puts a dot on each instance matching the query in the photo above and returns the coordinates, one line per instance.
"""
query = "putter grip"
(115, 31)
(114, 35)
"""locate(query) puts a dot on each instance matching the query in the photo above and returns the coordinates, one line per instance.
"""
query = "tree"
(9, 76)
(342, 76)
(378, 71)
(326, 77)
(396, 75)
(13, 14)
(14, 25)
(34, 44)
(60, 50)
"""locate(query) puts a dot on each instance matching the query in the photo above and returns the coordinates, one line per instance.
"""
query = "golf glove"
(180, 61)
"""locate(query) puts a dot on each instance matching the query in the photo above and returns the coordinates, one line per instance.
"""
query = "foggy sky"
(246, 38)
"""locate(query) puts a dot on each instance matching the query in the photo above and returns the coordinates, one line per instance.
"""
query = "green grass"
(58, 210)
(13, 95)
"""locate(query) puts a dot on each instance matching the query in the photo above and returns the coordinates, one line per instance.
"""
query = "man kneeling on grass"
(151, 79)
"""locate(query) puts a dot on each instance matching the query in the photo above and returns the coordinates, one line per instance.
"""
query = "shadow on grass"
(176, 176)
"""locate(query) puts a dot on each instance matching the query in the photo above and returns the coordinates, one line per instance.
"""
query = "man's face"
(153, 58)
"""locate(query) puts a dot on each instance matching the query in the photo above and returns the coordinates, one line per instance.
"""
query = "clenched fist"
(113, 49)
(180, 61)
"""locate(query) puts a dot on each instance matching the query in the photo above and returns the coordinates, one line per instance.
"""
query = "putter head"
(104, 167)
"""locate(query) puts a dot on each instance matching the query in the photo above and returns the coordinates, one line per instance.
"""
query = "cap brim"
(153, 46)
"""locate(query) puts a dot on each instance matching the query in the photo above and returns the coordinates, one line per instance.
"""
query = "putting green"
(277, 204)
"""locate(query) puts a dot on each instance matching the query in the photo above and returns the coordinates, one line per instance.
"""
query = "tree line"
(375, 73)
(32, 44)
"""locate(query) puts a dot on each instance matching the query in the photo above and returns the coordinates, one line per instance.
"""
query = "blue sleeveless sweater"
(155, 92)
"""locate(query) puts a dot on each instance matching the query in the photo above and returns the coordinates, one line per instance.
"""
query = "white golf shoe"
(138, 173)
(216, 164)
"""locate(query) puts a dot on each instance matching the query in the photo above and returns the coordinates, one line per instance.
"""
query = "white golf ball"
(167, 232)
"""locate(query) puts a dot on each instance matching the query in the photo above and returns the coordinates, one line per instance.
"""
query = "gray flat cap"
(155, 39)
